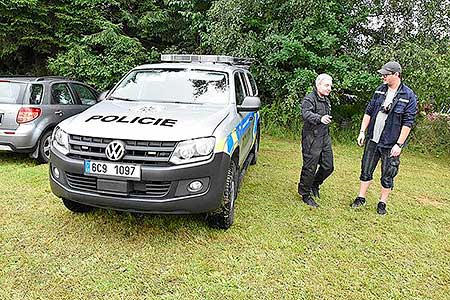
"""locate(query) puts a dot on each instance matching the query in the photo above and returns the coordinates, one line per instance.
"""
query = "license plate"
(92, 167)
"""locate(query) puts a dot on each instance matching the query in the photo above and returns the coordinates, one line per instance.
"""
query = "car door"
(245, 129)
(63, 103)
(85, 95)
(253, 90)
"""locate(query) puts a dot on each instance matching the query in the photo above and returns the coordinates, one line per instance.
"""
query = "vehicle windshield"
(175, 86)
(10, 91)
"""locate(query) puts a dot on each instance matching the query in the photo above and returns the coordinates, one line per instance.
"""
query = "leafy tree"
(100, 59)
(293, 42)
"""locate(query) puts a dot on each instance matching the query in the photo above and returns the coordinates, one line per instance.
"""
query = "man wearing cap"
(316, 141)
(388, 119)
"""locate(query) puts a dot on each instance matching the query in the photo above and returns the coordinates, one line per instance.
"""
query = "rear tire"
(76, 207)
(44, 147)
(223, 218)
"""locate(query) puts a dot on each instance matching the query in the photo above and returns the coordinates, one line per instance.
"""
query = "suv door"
(245, 128)
(63, 103)
(86, 96)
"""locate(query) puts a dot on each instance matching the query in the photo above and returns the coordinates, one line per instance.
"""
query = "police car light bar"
(188, 58)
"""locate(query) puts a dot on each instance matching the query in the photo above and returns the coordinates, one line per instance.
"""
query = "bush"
(431, 134)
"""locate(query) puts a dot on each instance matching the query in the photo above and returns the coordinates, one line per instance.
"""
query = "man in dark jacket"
(388, 119)
(316, 141)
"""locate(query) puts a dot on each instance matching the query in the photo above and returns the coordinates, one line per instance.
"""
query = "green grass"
(277, 249)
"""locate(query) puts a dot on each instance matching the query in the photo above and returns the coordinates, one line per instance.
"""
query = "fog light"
(195, 186)
(56, 172)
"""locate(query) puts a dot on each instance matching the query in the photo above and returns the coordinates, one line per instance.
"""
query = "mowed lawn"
(277, 249)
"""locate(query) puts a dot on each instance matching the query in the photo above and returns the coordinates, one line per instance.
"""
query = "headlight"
(193, 150)
(61, 140)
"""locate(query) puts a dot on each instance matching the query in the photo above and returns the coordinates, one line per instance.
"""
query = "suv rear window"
(10, 91)
(36, 92)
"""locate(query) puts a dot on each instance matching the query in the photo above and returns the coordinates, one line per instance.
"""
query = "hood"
(146, 120)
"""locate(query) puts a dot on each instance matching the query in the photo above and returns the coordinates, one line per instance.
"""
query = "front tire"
(76, 207)
(223, 218)
(44, 147)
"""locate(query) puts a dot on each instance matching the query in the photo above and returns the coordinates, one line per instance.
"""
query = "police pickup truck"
(174, 137)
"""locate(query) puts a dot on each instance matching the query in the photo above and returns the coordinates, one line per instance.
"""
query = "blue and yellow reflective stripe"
(230, 143)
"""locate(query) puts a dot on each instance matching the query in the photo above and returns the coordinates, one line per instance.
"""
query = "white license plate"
(92, 167)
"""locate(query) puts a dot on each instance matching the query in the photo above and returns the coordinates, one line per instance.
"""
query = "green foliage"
(292, 41)
(426, 70)
(431, 135)
(100, 59)
(38, 35)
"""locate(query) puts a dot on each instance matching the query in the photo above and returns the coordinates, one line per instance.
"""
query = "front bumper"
(161, 189)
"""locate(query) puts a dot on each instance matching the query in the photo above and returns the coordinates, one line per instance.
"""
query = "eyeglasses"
(386, 75)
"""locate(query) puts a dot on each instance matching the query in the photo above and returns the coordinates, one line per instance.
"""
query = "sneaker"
(381, 208)
(315, 191)
(359, 201)
(310, 201)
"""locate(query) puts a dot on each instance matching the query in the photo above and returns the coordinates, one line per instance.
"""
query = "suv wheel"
(76, 207)
(223, 217)
(255, 150)
(44, 147)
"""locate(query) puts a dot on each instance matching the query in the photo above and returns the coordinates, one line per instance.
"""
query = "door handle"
(59, 113)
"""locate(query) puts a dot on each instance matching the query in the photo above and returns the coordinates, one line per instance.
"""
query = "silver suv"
(174, 137)
(31, 107)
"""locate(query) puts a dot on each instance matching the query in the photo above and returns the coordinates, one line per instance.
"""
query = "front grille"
(142, 152)
(152, 189)
(138, 189)
(81, 182)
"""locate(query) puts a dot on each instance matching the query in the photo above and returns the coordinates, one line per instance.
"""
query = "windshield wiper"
(119, 98)
(181, 102)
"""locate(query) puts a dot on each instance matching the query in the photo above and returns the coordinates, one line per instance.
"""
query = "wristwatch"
(400, 145)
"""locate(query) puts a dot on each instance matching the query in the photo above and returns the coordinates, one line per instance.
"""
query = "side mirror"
(250, 103)
(102, 96)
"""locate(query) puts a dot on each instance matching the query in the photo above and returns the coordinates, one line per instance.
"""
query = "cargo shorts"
(389, 165)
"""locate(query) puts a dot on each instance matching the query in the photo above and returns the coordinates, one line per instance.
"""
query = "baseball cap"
(390, 68)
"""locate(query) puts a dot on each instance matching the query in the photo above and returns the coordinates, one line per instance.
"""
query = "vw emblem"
(115, 150)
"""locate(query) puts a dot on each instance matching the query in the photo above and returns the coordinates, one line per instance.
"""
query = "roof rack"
(188, 58)
(51, 77)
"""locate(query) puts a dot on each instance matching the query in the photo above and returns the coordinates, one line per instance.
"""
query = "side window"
(240, 95)
(245, 84)
(36, 92)
(61, 94)
(253, 84)
(86, 96)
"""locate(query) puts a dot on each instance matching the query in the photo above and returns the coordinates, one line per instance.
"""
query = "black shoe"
(310, 201)
(381, 208)
(359, 201)
(315, 191)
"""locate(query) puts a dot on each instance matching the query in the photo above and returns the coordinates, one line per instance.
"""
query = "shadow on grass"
(126, 224)
(12, 158)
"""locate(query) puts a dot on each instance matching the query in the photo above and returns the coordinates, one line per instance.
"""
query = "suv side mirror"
(250, 103)
(102, 96)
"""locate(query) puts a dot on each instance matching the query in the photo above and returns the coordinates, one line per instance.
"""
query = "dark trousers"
(389, 165)
(316, 152)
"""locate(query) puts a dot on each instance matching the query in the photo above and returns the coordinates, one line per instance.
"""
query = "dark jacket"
(313, 108)
(403, 113)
